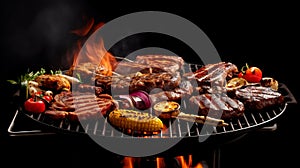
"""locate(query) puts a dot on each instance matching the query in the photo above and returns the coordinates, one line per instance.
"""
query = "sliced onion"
(141, 100)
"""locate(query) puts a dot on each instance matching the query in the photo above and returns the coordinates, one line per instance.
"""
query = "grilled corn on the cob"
(135, 121)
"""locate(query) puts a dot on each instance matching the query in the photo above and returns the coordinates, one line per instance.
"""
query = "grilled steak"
(80, 106)
(217, 106)
(259, 97)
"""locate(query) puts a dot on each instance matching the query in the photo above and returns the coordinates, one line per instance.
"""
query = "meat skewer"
(171, 109)
(201, 119)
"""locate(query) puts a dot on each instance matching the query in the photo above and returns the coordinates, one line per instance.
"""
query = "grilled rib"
(217, 106)
(212, 78)
(135, 121)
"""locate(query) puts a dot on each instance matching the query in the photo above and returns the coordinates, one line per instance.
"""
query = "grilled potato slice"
(135, 121)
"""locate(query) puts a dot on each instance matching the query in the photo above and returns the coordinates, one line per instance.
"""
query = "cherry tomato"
(240, 75)
(47, 98)
(35, 106)
(253, 74)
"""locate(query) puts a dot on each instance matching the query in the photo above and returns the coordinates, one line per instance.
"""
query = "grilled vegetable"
(166, 109)
(269, 82)
(135, 121)
(235, 83)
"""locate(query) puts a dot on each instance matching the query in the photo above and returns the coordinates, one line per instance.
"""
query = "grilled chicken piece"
(259, 97)
(131, 120)
(54, 83)
(217, 106)
(80, 106)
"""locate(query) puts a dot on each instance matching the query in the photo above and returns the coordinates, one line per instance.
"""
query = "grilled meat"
(259, 97)
(127, 68)
(75, 106)
(140, 81)
(88, 88)
(212, 77)
(147, 82)
(184, 90)
(166, 62)
(150, 64)
(54, 83)
(217, 106)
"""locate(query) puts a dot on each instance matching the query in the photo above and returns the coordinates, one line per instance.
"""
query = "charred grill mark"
(218, 105)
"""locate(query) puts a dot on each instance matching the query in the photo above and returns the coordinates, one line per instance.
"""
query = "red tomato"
(253, 75)
(47, 98)
(31, 105)
(240, 75)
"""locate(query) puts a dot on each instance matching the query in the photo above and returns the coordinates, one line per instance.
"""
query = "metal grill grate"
(174, 129)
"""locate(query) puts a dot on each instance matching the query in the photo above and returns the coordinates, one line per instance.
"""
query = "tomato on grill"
(251, 74)
(34, 105)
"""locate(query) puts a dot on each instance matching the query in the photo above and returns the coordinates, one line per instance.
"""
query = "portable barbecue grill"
(177, 130)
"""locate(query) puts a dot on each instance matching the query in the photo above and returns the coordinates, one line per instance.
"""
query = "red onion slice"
(141, 100)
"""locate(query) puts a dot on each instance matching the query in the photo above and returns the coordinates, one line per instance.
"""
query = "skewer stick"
(201, 119)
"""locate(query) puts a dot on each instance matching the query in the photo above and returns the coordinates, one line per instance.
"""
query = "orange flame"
(135, 162)
(94, 51)
(130, 162)
(189, 163)
(183, 163)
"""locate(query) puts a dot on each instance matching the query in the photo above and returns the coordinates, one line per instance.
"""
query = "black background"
(37, 34)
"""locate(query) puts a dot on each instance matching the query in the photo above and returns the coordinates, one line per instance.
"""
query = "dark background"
(36, 34)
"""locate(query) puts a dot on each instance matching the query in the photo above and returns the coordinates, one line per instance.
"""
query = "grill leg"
(216, 158)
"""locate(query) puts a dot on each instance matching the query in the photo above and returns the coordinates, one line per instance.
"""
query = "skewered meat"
(75, 106)
(259, 97)
(217, 106)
